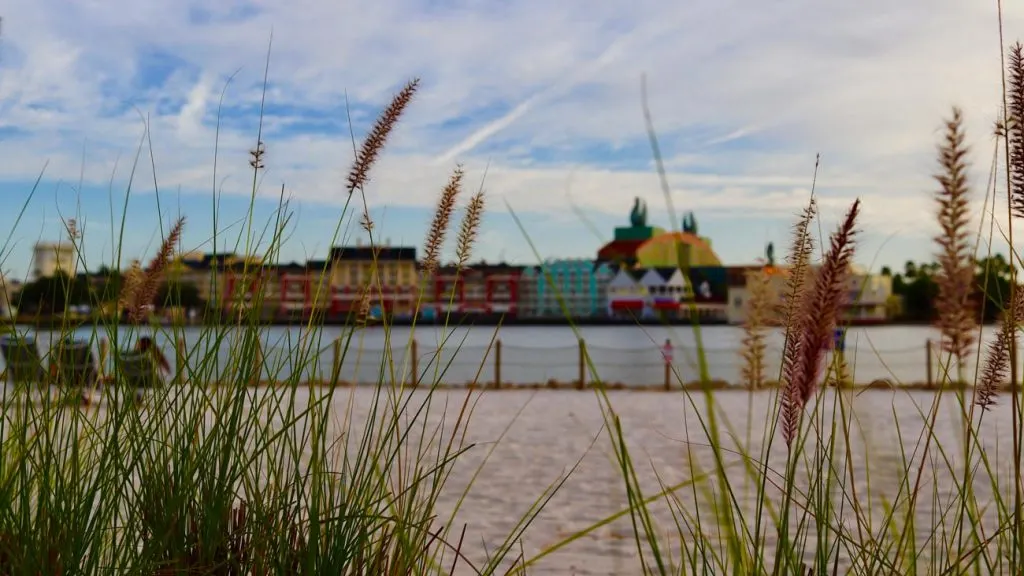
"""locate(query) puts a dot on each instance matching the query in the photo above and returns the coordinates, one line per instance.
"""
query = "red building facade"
(480, 289)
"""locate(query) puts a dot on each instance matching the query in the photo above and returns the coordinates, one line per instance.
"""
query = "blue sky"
(543, 98)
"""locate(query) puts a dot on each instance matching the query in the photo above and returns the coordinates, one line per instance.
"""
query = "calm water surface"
(630, 355)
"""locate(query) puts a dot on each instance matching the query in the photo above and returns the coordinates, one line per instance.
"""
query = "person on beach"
(145, 344)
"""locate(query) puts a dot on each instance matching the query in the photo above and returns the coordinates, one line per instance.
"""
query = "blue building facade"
(582, 285)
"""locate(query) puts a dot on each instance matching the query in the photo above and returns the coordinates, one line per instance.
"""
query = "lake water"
(630, 355)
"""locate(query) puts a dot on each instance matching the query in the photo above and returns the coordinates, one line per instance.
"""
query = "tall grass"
(211, 474)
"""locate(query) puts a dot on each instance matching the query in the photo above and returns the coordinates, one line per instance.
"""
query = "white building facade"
(50, 257)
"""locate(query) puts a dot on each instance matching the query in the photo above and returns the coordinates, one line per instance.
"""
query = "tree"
(177, 294)
(53, 294)
(992, 284)
(110, 282)
(910, 269)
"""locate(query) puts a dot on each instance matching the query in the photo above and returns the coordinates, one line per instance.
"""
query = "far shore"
(58, 322)
(713, 385)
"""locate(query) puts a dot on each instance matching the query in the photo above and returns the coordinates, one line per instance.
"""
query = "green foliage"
(54, 294)
(177, 294)
(108, 284)
(917, 288)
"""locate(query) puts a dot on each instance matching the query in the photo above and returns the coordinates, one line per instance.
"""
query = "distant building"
(295, 289)
(622, 250)
(866, 297)
(389, 272)
(48, 258)
(488, 289)
(665, 292)
(581, 284)
(207, 272)
(627, 297)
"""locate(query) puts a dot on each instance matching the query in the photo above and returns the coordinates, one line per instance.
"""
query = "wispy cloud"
(744, 94)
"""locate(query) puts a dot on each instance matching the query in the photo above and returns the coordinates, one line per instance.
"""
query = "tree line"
(58, 293)
(916, 288)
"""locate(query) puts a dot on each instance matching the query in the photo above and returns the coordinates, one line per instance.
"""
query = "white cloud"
(743, 95)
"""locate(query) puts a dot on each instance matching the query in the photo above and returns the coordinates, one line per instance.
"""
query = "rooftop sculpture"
(690, 223)
(638, 215)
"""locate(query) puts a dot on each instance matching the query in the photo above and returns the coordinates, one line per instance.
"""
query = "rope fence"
(216, 358)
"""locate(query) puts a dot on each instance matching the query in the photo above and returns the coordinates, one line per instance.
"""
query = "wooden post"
(336, 362)
(104, 351)
(928, 362)
(497, 363)
(581, 382)
(258, 358)
(179, 357)
(667, 356)
(414, 362)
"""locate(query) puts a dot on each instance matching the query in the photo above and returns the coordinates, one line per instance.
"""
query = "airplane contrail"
(580, 74)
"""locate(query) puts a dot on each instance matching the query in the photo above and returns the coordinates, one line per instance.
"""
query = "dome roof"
(661, 251)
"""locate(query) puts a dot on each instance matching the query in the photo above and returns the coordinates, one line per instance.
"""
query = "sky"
(125, 114)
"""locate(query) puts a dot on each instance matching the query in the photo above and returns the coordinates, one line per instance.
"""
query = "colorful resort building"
(386, 275)
(865, 303)
(662, 274)
(574, 287)
(482, 289)
(644, 273)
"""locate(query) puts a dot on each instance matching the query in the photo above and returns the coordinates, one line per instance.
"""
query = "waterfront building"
(250, 283)
(580, 284)
(48, 258)
(682, 249)
(388, 272)
(866, 295)
(318, 280)
(622, 250)
(480, 289)
(666, 292)
(206, 271)
(627, 296)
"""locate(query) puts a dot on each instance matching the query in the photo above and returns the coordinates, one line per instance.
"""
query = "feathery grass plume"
(815, 322)
(759, 302)
(74, 234)
(439, 225)
(130, 282)
(1014, 126)
(470, 228)
(997, 361)
(140, 293)
(256, 156)
(799, 258)
(842, 376)
(378, 136)
(363, 311)
(955, 318)
(366, 222)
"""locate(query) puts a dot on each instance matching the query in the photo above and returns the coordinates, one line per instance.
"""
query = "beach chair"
(21, 357)
(73, 365)
(138, 370)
